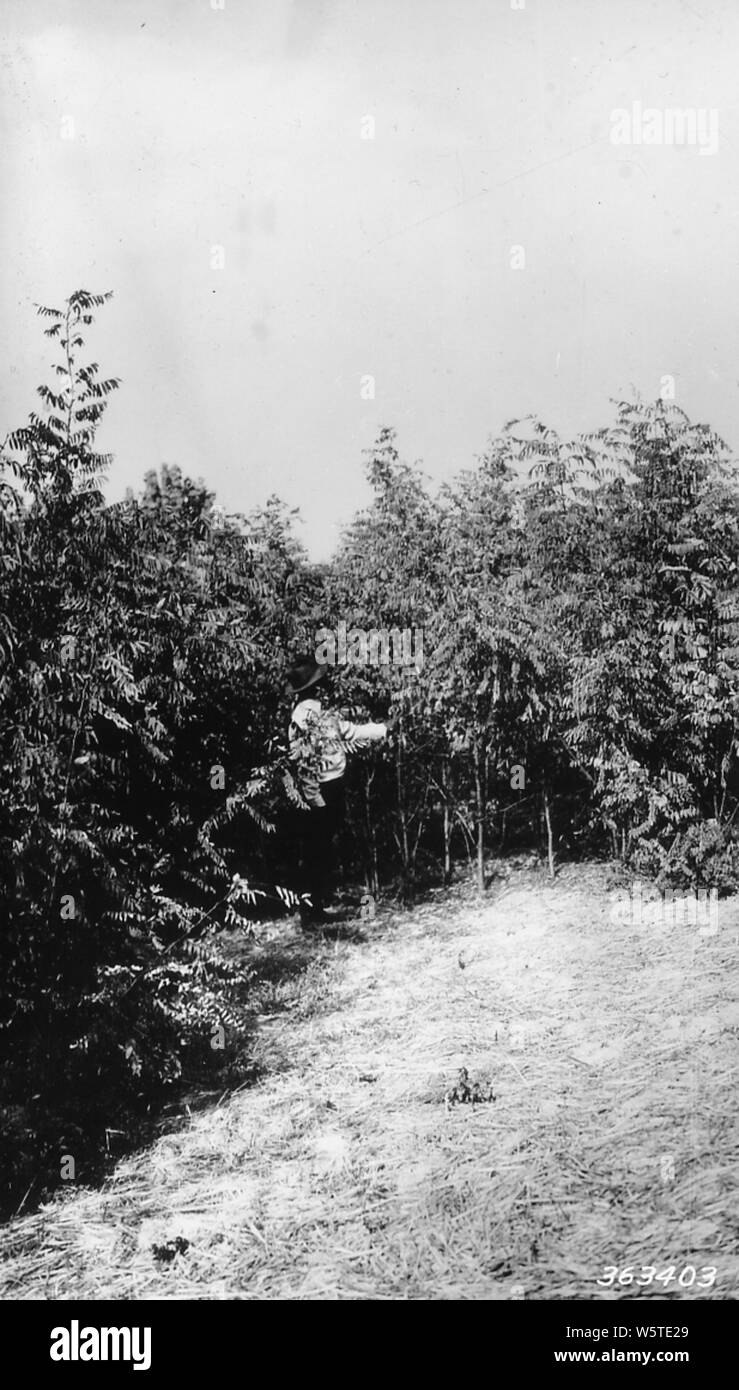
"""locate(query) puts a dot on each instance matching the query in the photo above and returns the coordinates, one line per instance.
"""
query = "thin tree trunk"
(373, 869)
(419, 830)
(447, 824)
(550, 837)
(403, 841)
(480, 819)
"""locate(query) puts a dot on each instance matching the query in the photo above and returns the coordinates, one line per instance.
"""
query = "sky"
(321, 217)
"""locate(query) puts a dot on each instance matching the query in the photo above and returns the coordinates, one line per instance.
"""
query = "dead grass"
(345, 1174)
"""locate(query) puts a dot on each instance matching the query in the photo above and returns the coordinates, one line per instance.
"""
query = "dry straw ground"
(349, 1172)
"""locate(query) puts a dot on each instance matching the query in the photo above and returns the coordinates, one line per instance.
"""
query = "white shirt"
(329, 736)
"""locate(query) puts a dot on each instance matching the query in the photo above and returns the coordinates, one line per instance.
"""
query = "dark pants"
(317, 831)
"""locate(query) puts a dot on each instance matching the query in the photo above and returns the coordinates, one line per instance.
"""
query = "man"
(319, 743)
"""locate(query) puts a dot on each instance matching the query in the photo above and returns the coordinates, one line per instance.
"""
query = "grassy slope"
(345, 1173)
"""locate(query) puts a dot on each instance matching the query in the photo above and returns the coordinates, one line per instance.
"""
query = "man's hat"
(305, 673)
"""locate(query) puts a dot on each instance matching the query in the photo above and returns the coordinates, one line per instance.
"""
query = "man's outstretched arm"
(358, 735)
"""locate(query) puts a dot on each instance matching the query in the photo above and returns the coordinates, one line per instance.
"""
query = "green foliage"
(137, 693)
(578, 607)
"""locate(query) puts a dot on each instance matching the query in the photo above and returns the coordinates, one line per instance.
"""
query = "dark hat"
(305, 673)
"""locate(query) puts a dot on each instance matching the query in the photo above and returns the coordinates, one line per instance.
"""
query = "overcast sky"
(137, 137)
